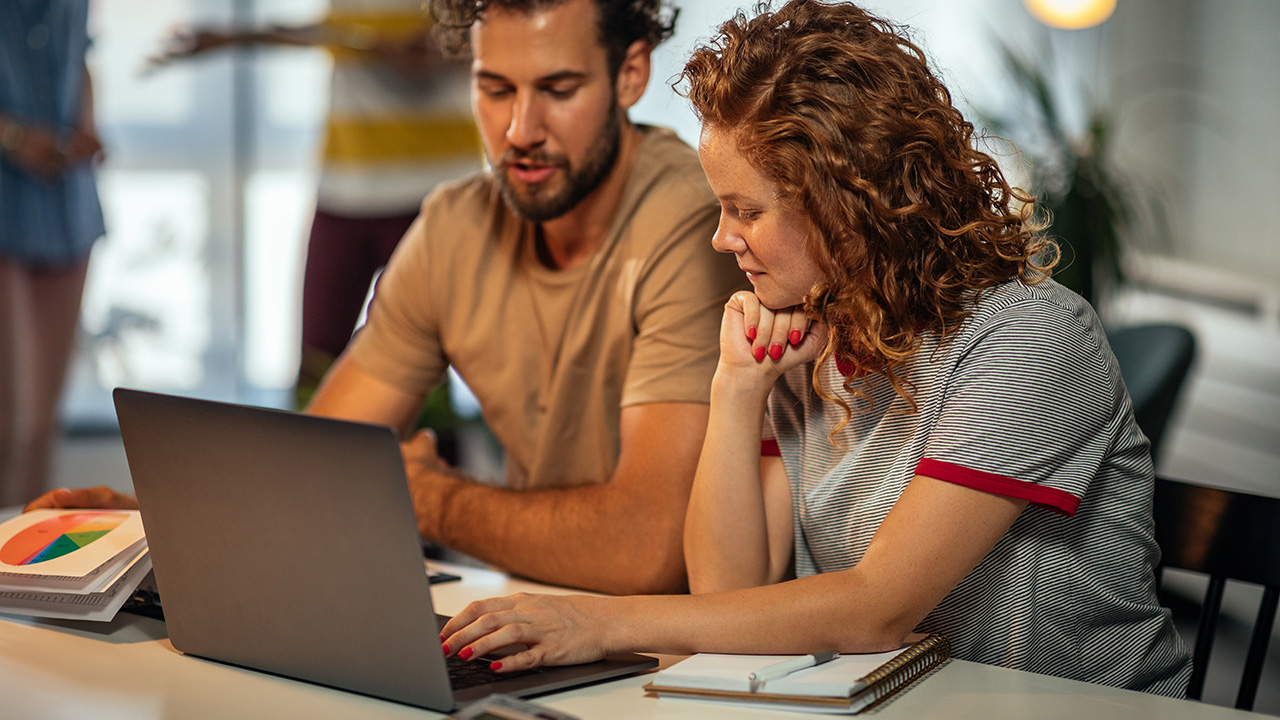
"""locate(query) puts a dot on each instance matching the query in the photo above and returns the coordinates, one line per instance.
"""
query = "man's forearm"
(586, 536)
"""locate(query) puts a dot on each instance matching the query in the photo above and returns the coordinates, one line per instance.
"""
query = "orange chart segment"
(58, 536)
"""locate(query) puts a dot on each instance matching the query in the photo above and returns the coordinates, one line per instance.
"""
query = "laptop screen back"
(285, 543)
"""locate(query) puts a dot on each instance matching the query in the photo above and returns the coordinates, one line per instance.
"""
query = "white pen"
(786, 667)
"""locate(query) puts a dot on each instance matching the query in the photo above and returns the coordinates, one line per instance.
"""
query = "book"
(849, 684)
(71, 564)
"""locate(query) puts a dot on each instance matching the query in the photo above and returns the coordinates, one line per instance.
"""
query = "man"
(574, 288)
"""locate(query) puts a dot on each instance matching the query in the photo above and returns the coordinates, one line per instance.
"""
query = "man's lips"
(531, 173)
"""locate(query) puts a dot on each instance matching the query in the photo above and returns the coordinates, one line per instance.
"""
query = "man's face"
(545, 104)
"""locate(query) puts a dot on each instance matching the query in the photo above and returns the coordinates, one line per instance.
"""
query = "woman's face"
(766, 236)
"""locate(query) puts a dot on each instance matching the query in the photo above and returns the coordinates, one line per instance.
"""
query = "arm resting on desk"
(619, 536)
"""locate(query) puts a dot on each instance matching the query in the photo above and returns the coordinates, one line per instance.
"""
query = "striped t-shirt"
(1024, 400)
(390, 138)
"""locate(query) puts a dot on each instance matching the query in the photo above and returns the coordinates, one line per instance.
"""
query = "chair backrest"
(1226, 535)
(1154, 360)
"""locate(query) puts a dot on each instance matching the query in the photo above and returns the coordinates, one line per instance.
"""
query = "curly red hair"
(907, 219)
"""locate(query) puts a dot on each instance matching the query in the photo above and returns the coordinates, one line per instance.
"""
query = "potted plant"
(1089, 205)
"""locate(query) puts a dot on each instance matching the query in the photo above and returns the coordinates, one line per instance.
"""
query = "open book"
(73, 564)
(848, 684)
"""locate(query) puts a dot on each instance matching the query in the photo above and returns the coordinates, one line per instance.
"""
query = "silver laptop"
(287, 543)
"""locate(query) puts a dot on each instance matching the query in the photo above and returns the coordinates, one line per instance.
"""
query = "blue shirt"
(47, 223)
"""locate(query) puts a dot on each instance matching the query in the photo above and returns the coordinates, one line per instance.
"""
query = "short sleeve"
(400, 342)
(1031, 409)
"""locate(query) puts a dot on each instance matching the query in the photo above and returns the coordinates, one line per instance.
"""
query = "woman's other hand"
(557, 630)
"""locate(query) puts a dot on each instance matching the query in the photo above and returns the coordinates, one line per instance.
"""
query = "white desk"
(127, 669)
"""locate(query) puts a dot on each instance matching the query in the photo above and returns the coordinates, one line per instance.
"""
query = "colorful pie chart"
(58, 536)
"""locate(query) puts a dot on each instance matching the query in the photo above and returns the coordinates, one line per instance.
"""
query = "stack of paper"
(75, 564)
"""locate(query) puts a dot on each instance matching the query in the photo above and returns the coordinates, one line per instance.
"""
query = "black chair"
(1154, 360)
(1226, 535)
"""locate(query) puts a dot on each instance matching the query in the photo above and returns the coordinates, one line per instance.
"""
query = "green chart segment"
(68, 543)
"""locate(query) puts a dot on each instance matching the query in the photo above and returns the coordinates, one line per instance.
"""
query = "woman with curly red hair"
(913, 429)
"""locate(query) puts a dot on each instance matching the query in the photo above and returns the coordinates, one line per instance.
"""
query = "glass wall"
(207, 191)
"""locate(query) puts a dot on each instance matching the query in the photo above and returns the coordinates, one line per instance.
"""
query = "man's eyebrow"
(552, 78)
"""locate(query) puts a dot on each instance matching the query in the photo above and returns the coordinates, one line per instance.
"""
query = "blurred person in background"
(399, 123)
(50, 218)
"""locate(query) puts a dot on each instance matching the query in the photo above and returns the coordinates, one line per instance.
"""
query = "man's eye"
(561, 92)
(495, 92)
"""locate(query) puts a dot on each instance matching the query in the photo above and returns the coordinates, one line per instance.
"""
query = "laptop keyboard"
(470, 673)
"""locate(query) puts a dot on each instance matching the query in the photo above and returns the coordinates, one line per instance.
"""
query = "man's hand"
(431, 481)
(99, 497)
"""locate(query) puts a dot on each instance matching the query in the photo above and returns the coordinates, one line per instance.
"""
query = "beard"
(542, 201)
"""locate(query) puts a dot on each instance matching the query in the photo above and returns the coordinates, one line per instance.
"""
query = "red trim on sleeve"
(1059, 501)
(769, 448)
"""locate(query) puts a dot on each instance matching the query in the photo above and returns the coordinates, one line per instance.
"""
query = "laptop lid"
(287, 543)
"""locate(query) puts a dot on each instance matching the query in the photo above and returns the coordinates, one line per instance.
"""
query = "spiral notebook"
(849, 684)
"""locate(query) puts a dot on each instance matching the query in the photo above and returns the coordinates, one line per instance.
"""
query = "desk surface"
(127, 669)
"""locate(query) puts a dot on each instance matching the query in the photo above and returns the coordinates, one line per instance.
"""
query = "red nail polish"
(751, 332)
(775, 351)
(795, 337)
(495, 666)
(465, 653)
(759, 353)
(446, 650)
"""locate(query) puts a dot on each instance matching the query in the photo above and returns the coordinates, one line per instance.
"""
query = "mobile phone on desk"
(506, 707)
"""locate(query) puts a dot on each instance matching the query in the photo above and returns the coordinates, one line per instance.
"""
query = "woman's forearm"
(832, 611)
(726, 541)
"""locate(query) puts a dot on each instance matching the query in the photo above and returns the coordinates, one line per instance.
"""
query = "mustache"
(511, 156)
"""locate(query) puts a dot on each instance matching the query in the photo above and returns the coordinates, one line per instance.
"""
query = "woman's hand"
(557, 629)
(762, 344)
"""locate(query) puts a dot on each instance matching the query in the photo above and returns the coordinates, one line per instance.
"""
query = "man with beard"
(573, 287)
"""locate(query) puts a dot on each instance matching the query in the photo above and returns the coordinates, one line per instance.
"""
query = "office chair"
(1226, 535)
(1154, 360)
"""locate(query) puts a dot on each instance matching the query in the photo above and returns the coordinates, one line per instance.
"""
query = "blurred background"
(1166, 110)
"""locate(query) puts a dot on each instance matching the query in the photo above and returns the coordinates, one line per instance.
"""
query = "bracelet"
(11, 136)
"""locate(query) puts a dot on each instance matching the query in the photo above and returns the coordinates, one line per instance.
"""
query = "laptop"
(287, 543)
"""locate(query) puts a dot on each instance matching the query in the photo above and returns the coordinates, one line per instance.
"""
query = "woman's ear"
(633, 74)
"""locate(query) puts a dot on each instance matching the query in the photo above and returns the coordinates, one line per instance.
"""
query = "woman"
(957, 451)
(50, 218)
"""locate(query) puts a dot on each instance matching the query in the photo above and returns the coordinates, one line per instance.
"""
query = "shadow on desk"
(125, 629)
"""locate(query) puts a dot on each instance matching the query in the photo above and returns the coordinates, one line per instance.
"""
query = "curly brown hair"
(907, 219)
(620, 22)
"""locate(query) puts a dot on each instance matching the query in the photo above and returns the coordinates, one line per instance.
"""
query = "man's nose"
(528, 127)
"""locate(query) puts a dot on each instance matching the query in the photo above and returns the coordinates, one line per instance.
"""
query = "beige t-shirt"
(554, 355)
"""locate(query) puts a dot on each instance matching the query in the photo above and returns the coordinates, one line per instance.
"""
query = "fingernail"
(441, 637)
(759, 352)
(751, 332)
(495, 666)
(465, 653)
(445, 648)
(775, 351)
(795, 337)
